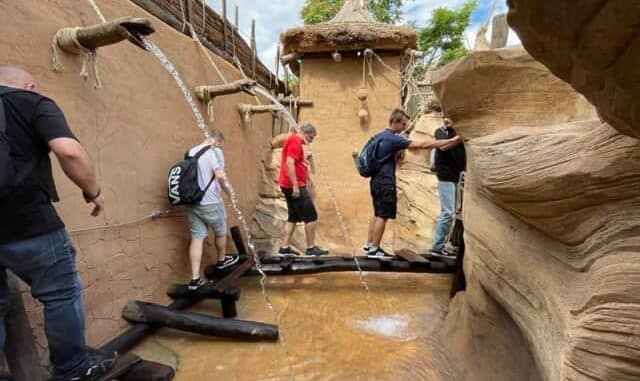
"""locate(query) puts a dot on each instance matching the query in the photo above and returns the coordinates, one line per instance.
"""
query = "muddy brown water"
(334, 331)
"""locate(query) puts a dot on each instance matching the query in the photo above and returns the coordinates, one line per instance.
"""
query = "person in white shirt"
(210, 212)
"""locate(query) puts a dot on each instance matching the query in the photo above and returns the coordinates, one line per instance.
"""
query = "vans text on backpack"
(182, 182)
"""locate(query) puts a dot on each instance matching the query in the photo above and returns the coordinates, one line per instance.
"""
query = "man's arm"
(222, 177)
(432, 143)
(76, 164)
(291, 173)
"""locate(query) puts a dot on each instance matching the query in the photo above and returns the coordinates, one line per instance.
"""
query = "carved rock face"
(552, 228)
(592, 44)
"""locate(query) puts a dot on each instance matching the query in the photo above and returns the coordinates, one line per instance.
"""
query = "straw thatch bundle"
(331, 36)
(353, 28)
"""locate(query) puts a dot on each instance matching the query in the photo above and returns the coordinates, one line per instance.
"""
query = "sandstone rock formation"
(593, 45)
(488, 91)
(551, 201)
(485, 92)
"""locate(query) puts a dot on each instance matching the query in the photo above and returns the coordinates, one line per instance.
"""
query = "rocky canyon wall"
(551, 211)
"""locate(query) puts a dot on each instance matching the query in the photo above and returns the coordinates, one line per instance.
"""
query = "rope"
(95, 8)
(152, 216)
(67, 39)
(184, 16)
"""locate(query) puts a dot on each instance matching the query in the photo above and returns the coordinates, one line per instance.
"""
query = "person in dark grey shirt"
(449, 163)
(33, 242)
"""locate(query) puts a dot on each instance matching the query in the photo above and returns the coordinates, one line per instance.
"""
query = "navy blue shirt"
(390, 144)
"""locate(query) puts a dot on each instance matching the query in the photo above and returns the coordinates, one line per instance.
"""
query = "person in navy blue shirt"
(383, 182)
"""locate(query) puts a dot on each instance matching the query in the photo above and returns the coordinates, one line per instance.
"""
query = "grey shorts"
(202, 216)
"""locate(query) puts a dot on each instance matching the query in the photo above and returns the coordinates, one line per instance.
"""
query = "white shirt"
(208, 163)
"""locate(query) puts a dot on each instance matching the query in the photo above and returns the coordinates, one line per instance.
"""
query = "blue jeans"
(447, 193)
(47, 264)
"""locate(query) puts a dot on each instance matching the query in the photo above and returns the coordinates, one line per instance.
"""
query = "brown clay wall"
(333, 88)
(134, 129)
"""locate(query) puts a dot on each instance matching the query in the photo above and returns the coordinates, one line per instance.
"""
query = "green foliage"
(317, 11)
(292, 81)
(443, 38)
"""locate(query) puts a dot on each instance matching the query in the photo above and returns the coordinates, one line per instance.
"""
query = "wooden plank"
(150, 313)
(230, 280)
(410, 256)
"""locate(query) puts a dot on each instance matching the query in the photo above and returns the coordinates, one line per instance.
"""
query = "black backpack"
(182, 183)
(366, 163)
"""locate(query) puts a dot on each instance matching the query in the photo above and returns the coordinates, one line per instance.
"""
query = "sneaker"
(366, 248)
(287, 252)
(99, 366)
(379, 254)
(229, 260)
(443, 254)
(195, 284)
(316, 251)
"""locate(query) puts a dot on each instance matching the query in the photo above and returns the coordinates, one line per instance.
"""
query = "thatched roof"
(352, 28)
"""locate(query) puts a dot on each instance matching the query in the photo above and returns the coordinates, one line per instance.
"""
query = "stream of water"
(166, 63)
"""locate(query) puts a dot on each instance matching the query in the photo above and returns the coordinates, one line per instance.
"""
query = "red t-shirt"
(293, 147)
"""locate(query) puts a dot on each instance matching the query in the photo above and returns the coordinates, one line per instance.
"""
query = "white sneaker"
(379, 254)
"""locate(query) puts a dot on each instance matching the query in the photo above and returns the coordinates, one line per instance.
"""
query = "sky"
(274, 16)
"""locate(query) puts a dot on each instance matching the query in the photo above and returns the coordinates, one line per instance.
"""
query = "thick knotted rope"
(67, 40)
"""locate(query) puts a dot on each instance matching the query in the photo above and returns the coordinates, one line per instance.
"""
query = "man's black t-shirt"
(451, 162)
(32, 121)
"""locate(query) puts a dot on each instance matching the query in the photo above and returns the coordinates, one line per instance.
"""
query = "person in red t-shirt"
(293, 182)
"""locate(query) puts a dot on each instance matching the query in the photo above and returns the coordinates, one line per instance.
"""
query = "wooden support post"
(288, 58)
(253, 48)
(141, 312)
(286, 80)
(148, 371)
(224, 24)
(229, 310)
(277, 63)
(235, 17)
(190, 11)
(244, 108)
(236, 236)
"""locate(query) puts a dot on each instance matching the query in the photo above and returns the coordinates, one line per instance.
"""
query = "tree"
(317, 11)
(443, 38)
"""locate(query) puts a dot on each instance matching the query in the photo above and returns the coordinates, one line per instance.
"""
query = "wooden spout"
(256, 109)
(112, 32)
(207, 92)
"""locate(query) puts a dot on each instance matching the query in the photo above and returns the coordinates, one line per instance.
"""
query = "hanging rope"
(184, 16)
(152, 216)
(204, 17)
(67, 39)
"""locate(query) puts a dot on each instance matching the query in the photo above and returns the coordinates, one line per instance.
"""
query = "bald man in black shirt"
(33, 241)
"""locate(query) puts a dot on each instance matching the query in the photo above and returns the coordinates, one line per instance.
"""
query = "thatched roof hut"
(353, 28)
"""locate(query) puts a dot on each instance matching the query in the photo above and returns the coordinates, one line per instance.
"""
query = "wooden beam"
(410, 256)
(236, 236)
(311, 265)
(253, 48)
(208, 291)
(113, 32)
(207, 92)
(235, 16)
(292, 100)
(224, 24)
(244, 108)
(149, 313)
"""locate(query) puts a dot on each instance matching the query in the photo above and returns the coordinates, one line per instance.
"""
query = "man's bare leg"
(378, 231)
(221, 247)
(310, 233)
(195, 255)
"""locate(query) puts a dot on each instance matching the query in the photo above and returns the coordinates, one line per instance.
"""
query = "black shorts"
(300, 209)
(385, 200)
